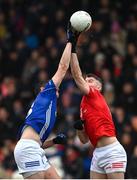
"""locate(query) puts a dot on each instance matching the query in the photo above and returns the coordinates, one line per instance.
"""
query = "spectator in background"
(132, 173)
(72, 161)
(110, 48)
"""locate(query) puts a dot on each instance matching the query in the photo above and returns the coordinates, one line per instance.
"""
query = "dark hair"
(94, 76)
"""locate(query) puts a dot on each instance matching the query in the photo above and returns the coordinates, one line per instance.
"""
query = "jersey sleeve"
(49, 89)
(50, 85)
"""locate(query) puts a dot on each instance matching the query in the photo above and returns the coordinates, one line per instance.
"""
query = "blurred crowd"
(32, 39)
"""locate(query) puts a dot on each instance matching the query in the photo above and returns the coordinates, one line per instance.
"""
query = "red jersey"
(97, 116)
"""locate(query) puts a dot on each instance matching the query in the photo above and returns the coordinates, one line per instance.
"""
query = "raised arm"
(77, 74)
(78, 125)
(63, 65)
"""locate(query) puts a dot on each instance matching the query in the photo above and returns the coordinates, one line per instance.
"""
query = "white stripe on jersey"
(46, 125)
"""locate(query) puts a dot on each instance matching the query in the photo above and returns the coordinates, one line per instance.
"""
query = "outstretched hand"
(72, 36)
(60, 139)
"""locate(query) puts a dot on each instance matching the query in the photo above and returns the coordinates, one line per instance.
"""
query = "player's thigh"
(116, 175)
(38, 175)
(96, 175)
(51, 173)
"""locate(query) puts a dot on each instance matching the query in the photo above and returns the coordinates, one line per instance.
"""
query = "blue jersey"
(42, 114)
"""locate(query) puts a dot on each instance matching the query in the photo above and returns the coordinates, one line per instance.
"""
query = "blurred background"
(32, 39)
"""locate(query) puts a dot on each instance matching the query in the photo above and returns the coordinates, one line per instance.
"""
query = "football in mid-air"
(81, 21)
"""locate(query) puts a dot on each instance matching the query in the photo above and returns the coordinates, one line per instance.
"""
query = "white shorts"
(30, 157)
(109, 159)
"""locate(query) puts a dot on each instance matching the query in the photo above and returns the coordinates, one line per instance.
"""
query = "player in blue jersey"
(29, 154)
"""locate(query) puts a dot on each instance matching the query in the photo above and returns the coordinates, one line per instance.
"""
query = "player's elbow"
(84, 140)
(63, 67)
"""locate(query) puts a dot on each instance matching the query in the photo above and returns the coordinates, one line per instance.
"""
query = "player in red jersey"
(109, 157)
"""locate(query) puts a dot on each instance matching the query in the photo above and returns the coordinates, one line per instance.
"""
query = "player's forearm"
(82, 136)
(77, 74)
(65, 59)
(75, 68)
(63, 65)
(47, 144)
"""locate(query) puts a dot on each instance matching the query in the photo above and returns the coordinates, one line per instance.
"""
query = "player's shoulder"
(92, 92)
(49, 88)
(50, 84)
